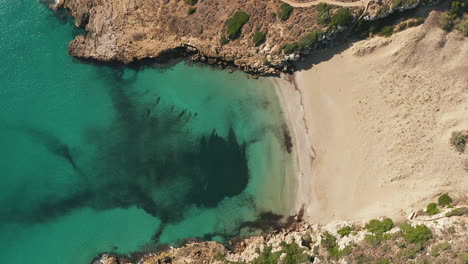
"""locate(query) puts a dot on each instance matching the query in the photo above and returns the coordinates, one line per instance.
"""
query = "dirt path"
(293, 3)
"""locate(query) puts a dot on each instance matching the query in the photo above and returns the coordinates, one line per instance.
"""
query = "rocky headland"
(257, 36)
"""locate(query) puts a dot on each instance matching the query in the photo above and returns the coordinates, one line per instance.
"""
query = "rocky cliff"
(131, 30)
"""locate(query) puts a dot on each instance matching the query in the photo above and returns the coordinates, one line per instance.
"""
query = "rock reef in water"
(132, 30)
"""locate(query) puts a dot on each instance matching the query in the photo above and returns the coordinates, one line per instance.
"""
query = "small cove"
(98, 158)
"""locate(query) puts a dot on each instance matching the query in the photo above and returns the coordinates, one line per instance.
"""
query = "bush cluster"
(445, 200)
(294, 254)
(416, 235)
(330, 244)
(235, 23)
(258, 38)
(341, 17)
(386, 31)
(191, 2)
(323, 15)
(285, 11)
(458, 139)
(306, 41)
(457, 212)
(431, 209)
(440, 247)
(191, 10)
(456, 17)
(345, 231)
(379, 227)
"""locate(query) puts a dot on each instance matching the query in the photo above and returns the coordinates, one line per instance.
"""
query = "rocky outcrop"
(331, 243)
(132, 30)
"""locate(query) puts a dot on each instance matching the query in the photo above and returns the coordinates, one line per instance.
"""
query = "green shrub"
(386, 31)
(457, 212)
(223, 40)
(373, 240)
(416, 235)
(323, 15)
(341, 17)
(285, 11)
(451, 230)
(267, 257)
(310, 38)
(291, 48)
(294, 254)
(345, 231)
(329, 243)
(382, 261)
(462, 26)
(322, 7)
(458, 140)
(411, 252)
(431, 209)
(258, 38)
(235, 24)
(445, 200)
(440, 247)
(379, 227)
(446, 22)
(191, 10)
(191, 2)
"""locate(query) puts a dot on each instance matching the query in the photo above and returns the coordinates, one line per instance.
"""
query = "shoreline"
(290, 99)
(356, 119)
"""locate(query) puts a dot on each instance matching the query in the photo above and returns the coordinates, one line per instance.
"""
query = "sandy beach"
(371, 124)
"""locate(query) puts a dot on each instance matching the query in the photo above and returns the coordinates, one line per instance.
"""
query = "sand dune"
(379, 116)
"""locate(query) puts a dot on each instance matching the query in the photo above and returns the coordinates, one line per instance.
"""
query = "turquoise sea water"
(96, 158)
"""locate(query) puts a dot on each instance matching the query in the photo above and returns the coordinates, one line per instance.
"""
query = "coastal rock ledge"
(423, 238)
(132, 30)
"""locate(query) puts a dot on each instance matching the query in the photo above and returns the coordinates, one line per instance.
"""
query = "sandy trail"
(330, 2)
(379, 116)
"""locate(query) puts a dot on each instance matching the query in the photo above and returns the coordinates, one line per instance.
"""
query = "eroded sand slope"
(380, 115)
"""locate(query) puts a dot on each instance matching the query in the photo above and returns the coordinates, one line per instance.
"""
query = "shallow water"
(97, 158)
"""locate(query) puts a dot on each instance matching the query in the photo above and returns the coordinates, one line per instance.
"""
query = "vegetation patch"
(440, 247)
(235, 23)
(307, 40)
(411, 252)
(431, 209)
(416, 235)
(445, 200)
(341, 17)
(345, 231)
(323, 15)
(330, 244)
(285, 11)
(379, 227)
(191, 10)
(386, 31)
(458, 212)
(191, 2)
(458, 140)
(294, 254)
(258, 38)
(456, 17)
